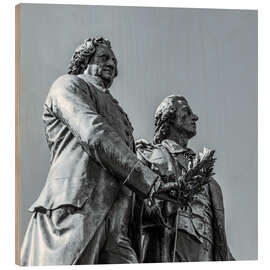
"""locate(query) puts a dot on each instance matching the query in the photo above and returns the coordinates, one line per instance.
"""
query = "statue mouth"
(108, 70)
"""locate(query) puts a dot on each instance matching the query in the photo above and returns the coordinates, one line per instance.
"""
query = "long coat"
(92, 159)
(156, 244)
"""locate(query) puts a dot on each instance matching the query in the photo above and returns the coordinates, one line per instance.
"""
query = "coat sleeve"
(222, 252)
(151, 214)
(72, 104)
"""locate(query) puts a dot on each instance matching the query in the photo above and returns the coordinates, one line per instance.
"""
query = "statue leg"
(91, 253)
(118, 247)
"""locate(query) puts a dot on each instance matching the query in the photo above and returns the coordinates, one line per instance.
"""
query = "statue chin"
(107, 81)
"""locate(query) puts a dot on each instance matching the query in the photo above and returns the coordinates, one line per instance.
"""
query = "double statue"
(108, 199)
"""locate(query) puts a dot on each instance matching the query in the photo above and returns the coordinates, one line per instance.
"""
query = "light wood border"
(18, 81)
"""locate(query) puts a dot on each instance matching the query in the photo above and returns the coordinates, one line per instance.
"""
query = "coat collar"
(96, 81)
(175, 148)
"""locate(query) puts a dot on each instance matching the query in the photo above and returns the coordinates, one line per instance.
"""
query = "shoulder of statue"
(69, 81)
(72, 84)
(152, 153)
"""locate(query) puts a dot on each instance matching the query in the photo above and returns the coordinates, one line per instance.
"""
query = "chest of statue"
(197, 219)
(109, 108)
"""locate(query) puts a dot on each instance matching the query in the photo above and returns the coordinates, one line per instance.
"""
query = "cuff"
(142, 180)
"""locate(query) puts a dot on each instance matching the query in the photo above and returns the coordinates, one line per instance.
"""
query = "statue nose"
(195, 117)
(111, 63)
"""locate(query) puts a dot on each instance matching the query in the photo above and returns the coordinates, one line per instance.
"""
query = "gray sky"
(208, 56)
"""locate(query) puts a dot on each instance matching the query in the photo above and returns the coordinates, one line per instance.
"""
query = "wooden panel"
(18, 132)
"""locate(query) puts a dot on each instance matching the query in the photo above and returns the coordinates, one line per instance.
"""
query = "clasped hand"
(179, 190)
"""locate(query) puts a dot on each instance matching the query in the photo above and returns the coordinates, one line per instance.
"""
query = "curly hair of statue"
(165, 112)
(84, 53)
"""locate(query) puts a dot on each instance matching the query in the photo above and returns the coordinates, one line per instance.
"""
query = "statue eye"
(187, 110)
(103, 57)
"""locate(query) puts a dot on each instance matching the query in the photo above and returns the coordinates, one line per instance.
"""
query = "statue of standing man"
(179, 234)
(83, 212)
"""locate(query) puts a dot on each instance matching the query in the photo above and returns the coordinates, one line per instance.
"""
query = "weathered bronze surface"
(97, 186)
(83, 212)
(169, 233)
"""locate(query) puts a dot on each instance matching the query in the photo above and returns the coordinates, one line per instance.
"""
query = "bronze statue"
(83, 211)
(170, 232)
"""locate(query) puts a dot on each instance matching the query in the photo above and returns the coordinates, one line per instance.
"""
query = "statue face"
(103, 64)
(185, 120)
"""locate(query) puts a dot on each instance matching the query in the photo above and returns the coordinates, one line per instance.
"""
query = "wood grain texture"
(18, 132)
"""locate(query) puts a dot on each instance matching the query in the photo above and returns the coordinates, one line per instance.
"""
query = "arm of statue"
(72, 103)
(183, 189)
(152, 206)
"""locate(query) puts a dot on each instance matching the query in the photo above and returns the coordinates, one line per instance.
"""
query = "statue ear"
(83, 66)
(85, 63)
(87, 60)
